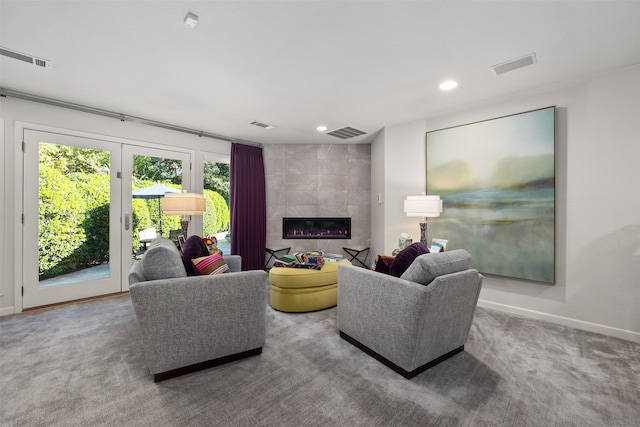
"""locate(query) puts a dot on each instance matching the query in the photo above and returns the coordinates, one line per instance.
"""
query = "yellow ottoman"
(297, 290)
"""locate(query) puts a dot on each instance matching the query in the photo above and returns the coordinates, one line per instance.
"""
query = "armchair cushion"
(162, 261)
(404, 259)
(427, 267)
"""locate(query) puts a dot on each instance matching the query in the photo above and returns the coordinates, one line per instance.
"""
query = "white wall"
(14, 112)
(378, 194)
(597, 201)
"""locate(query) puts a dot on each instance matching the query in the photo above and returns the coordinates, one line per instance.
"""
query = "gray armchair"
(413, 322)
(193, 323)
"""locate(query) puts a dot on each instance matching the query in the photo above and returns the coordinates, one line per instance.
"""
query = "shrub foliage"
(74, 210)
(217, 216)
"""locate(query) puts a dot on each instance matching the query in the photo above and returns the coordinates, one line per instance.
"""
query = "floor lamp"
(425, 207)
(183, 204)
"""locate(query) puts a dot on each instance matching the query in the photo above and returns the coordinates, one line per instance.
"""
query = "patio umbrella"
(155, 191)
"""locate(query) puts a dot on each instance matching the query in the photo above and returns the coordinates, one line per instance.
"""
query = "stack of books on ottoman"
(311, 259)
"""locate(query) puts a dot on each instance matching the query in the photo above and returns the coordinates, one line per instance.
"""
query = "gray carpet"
(82, 365)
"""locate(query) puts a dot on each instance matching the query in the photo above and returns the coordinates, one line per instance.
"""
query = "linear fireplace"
(316, 228)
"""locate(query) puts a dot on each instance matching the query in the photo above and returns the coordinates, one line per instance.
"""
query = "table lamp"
(183, 204)
(425, 207)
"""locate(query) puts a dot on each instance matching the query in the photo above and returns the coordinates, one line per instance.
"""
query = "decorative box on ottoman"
(297, 290)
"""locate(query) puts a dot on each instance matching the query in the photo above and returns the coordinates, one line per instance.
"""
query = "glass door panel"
(149, 174)
(217, 217)
(73, 211)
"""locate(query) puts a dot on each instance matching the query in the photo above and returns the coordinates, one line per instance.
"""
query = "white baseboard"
(566, 321)
(6, 311)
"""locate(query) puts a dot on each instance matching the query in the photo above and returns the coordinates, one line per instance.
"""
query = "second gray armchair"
(413, 322)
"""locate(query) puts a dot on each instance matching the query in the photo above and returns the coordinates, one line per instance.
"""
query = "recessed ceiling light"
(321, 128)
(448, 85)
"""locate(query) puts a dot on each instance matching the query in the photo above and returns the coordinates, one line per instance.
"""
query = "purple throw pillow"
(404, 259)
(383, 263)
(193, 248)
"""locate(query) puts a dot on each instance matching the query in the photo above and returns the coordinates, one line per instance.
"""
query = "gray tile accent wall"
(318, 180)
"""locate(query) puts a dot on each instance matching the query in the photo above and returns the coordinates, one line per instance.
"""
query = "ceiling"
(299, 64)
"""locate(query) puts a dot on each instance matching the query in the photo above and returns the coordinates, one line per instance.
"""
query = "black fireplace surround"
(316, 228)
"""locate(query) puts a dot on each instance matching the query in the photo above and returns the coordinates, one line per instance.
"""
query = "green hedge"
(217, 215)
(74, 230)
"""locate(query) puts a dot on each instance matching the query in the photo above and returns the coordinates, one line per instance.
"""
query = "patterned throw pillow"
(212, 264)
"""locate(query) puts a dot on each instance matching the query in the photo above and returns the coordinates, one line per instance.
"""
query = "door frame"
(3, 274)
(33, 293)
(18, 132)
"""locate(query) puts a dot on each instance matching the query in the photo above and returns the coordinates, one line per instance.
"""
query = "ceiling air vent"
(346, 132)
(38, 62)
(262, 125)
(514, 64)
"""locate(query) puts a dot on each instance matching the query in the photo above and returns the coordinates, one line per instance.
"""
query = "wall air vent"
(262, 125)
(346, 132)
(38, 62)
(514, 64)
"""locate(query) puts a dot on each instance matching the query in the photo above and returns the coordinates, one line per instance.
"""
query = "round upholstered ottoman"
(297, 290)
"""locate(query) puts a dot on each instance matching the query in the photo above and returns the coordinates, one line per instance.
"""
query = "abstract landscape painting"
(497, 182)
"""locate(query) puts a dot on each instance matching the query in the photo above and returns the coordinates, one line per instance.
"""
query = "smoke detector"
(514, 64)
(30, 59)
(191, 20)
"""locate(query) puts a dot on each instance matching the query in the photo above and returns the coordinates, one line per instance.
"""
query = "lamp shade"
(423, 206)
(183, 204)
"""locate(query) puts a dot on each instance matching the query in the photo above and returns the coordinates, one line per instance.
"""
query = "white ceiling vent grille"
(514, 64)
(38, 62)
(262, 125)
(346, 132)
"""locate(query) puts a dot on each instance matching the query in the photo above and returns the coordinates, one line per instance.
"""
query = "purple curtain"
(248, 205)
